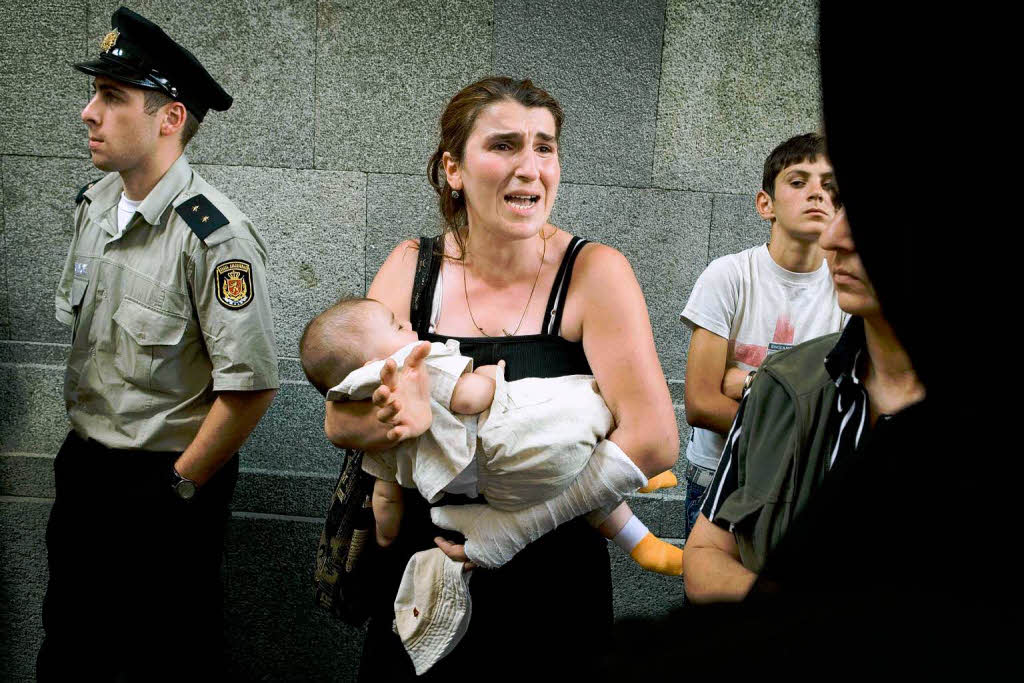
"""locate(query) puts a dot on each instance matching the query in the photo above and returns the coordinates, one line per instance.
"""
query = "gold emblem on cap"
(109, 40)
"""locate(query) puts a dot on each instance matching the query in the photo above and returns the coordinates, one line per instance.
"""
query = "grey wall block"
(32, 417)
(23, 578)
(664, 236)
(274, 631)
(313, 223)
(26, 474)
(398, 207)
(640, 593)
(283, 493)
(41, 94)
(735, 225)
(602, 61)
(385, 70)
(290, 436)
(262, 54)
(737, 79)
(39, 198)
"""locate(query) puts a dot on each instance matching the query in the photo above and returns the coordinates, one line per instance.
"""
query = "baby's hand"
(403, 397)
(490, 370)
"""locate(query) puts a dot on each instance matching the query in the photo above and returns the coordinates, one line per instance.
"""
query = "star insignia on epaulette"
(201, 216)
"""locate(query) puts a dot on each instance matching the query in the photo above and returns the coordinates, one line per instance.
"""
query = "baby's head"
(346, 336)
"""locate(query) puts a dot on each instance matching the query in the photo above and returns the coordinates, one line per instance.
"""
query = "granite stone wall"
(671, 107)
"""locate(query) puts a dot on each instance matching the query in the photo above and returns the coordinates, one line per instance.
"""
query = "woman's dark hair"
(457, 123)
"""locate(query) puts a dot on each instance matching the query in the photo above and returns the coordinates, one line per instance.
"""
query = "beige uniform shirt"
(160, 317)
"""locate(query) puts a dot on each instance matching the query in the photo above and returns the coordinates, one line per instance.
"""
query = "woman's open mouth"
(521, 203)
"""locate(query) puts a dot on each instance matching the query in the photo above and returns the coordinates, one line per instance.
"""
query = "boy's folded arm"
(707, 406)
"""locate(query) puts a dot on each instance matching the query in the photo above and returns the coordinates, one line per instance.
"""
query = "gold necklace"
(465, 287)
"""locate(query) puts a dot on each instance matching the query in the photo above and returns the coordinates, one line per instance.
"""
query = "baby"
(535, 435)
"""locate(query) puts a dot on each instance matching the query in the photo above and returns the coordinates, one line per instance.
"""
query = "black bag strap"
(428, 265)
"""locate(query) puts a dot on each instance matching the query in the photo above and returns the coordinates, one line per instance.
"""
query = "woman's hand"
(403, 397)
(455, 551)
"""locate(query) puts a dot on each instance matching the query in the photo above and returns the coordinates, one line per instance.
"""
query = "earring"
(455, 194)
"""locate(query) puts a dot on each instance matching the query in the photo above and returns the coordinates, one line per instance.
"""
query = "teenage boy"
(748, 305)
(172, 364)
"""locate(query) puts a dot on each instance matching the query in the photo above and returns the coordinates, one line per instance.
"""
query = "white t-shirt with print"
(760, 308)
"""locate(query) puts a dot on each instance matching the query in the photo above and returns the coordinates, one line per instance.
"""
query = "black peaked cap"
(139, 53)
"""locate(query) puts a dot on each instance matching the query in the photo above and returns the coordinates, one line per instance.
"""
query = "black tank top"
(545, 354)
(552, 602)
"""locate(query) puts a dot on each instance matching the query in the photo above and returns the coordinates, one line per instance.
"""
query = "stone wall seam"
(366, 231)
(494, 41)
(711, 227)
(262, 470)
(4, 249)
(242, 514)
(85, 43)
(25, 499)
(33, 366)
(316, 92)
(657, 102)
(42, 156)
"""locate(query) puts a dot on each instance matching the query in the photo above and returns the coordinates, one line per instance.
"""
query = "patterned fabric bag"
(338, 585)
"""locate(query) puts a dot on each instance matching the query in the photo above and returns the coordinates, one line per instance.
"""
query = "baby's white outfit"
(526, 448)
(533, 441)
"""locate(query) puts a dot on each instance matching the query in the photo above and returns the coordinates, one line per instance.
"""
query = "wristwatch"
(184, 487)
(748, 380)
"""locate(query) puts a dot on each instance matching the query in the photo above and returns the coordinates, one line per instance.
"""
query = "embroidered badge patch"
(234, 284)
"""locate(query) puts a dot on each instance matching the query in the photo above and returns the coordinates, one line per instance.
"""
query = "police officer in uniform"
(172, 364)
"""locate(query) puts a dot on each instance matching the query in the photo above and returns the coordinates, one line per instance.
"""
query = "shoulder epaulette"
(81, 193)
(201, 216)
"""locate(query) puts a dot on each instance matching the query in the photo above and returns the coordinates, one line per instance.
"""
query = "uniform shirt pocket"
(78, 287)
(143, 329)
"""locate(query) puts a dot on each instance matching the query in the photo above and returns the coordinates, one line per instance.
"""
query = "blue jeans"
(697, 481)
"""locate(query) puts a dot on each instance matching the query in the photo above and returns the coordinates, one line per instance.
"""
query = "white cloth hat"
(432, 608)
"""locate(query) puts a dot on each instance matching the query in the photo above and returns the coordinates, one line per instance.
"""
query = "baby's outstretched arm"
(403, 398)
(474, 391)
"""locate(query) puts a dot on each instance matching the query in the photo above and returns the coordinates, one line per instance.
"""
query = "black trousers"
(135, 589)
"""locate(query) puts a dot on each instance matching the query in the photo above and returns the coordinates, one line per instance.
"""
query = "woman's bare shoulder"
(597, 263)
(392, 285)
